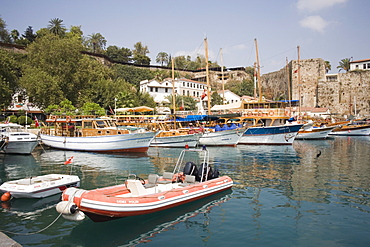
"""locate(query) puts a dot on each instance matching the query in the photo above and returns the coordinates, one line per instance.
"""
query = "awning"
(236, 105)
(136, 109)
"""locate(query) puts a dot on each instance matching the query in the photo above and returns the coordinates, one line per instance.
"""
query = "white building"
(360, 65)
(160, 91)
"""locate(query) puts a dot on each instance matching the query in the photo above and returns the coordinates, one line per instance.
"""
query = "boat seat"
(189, 179)
(136, 187)
(167, 176)
(152, 181)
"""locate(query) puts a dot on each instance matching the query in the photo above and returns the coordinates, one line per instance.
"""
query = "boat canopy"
(192, 118)
(235, 105)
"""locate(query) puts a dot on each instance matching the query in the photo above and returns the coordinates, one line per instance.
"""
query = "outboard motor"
(207, 172)
(190, 169)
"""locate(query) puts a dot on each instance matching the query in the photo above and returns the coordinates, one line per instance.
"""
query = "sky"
(327, 29)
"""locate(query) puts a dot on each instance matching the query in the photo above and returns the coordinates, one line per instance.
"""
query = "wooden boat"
(14, 139)
(40, 186)
(310, 132)
(188, 182)
(356, 128)
(94, 135)
(222, 136)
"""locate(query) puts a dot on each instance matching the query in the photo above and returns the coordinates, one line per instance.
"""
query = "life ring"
(271, 113)
(259, 113)
(249, 113)
(68, 119)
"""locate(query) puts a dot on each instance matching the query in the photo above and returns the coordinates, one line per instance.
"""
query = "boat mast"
(299, 79)
(207, 78)
(258, 73)
(288, 81)
(222, 78)
(173, 94)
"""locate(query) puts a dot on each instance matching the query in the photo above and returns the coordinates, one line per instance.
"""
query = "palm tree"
(344, 64)
(327, 66)
(161, 58)
(56, 27)
(97, 42)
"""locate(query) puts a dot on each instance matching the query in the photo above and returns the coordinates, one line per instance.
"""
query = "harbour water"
(313, 193)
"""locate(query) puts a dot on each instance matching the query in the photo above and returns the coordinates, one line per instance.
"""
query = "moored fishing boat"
(14, 139)
(39, 186)
(188, 182)
(356, 128)
(310, 132)
(94, 135)
(222, 136)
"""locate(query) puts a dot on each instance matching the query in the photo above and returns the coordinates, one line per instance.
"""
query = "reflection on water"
(312, 193)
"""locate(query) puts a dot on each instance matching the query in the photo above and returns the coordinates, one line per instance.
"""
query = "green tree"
(344, 64)
(119, 54)
(139, 53)
(96, 42)
(50, 73)
(75, 32)
(327, 66)
(162, 58)
(56, 27)
(90, 108)
(132, 74)
(29, 36)
(9, 73)
(4, 34)
(15, 35)
(140, 49)
(246, 87)
(216, 99)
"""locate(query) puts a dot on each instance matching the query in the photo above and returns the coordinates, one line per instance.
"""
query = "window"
(151, 89)
(166, 90)
(364, 66)
(183, 83)
(183, 92)
(156, 89)
(187, 84)
(188, 93)
(368, 65)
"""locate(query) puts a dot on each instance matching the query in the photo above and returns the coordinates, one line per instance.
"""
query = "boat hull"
(271, 135)
(136, 142)
(221, 138)
(40, 186)
(352, 131)
(102, 208)
(314, 134)
(191, 140)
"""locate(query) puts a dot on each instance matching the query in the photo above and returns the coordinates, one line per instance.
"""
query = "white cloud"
(314, 22)
(316, 5)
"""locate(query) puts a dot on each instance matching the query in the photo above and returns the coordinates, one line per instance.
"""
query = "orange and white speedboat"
(188, 182)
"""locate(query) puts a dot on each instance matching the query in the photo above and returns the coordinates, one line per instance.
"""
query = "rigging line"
(278, 54)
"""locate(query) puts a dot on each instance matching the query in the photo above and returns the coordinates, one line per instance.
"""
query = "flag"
(69, 161)
(36, 122)
(111, 111)
(204, 94)
(295, 71)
